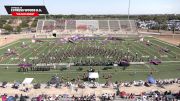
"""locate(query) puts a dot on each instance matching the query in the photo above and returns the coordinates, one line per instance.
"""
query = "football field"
(169, 68)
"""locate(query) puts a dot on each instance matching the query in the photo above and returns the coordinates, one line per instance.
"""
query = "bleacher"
(84, 25)
(60, 25)
(49, 25)
(133, 25)
(113, 26)
(70, 25)
(103, 25)
(81, 25)
(39, 25)
(92, 25)
(125, 25)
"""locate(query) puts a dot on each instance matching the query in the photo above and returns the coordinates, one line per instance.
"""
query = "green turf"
(133, 72)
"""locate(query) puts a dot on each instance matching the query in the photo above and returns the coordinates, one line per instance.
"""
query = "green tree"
(34, 24)
(173, 28)
(2, 22)
(164, 26)
(145, 18)
(160, 20)
(1, 25)
(24, 24)
(8, 28)
(18, 28)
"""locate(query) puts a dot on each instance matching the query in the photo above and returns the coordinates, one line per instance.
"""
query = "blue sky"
(100, 6)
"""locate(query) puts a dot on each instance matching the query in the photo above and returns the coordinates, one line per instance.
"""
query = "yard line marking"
(170, 61)
(7, 46)
(50, 49)
(144, 62)
(141, 47)
(27, 50)
(47, 73)
(164, 52)
(8, 64)
(129, 50)
(153, 52)
(33, 52)
(8, 57)
(151, 68)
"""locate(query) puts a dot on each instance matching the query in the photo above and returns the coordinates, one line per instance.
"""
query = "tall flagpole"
(129, 8)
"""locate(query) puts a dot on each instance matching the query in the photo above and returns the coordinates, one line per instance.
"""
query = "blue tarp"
(151, 79)
(11, 98)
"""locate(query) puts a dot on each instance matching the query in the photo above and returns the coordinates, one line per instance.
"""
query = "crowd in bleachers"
(159, 83)
(150, 96)
(118, 95)
(64, 97)
(123, 96)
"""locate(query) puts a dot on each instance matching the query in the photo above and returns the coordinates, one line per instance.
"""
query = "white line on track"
(165, 43)
(9, 44)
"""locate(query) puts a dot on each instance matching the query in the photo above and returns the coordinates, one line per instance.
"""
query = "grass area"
(133, 72)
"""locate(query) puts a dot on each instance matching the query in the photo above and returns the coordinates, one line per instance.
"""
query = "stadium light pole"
(129, 8)
(44, 5)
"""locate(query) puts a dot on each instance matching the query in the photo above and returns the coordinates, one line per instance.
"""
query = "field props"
(148, 43)
(10, 52)
(124, 62)
(71, 39)
(155, 61)
(24, 45)
(104, 42)
(38, 41)
(164, 50)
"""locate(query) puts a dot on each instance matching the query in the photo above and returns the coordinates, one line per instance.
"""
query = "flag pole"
(44, 5)
(129, 8)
